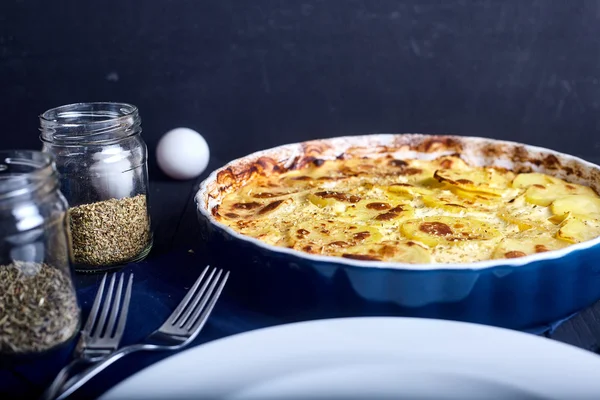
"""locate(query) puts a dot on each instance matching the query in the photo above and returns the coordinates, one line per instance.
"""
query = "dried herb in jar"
(38, 307)
(110, 231)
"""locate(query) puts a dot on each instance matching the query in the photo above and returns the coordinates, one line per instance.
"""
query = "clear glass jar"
(38, 303)
(102, 161)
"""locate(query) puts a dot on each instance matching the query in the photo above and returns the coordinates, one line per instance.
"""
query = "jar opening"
(89, 123)
(25, 171)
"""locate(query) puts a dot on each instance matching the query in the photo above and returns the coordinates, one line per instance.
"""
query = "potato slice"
(323, 235)
(525, 180)
(409, 189)
(359, 166)
(479, 198)
(579, 228)
(337, 200)
(431, 183)
(576, 204)
(446, 202)
(414, 170)
(399, 212)
(240, 206)
(558, 219)
(524, 216)
(271, 188)
(524, 246)
(522, 224)
(545, 195)
(392, 250)
(450, 162)
(242, 209)
(376, 211)
(433, 231)
(486, 180)
(543, 189)
(302, 179)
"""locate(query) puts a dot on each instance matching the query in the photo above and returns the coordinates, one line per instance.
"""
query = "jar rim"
(89, 123)
(24, 171)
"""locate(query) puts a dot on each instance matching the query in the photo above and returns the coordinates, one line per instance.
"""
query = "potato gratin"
(412, 211)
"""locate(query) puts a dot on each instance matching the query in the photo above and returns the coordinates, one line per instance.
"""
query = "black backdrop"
(253, 74)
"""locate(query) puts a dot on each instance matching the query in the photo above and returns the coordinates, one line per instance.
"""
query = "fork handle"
(60, 379)
(83, 377)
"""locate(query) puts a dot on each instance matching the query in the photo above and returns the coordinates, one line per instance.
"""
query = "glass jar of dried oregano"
(102, 160)
(38, 304)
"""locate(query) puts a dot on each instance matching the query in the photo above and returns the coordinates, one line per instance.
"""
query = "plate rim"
(137, 379)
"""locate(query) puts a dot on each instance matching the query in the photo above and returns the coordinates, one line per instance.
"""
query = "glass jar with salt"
(102, 161)
(38, 304)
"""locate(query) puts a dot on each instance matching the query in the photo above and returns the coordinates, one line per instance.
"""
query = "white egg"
(182, 153)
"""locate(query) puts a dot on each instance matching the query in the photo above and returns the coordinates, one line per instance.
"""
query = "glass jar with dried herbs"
(38, 303)
(102, 161)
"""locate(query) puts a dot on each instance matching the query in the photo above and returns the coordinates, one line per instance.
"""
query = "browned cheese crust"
(369, 204)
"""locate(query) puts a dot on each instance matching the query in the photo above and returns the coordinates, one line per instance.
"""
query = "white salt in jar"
(102, 161)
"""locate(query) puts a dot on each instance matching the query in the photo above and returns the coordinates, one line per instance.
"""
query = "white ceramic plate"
(374, 358)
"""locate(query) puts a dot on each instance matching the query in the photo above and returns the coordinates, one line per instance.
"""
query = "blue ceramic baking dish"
(520, 293)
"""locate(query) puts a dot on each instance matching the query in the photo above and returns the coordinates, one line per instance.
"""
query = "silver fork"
(180, 329)
(102, 332)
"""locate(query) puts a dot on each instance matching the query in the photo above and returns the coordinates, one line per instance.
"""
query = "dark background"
(254, 74)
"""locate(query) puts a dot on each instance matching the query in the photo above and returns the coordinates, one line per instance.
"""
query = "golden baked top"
(412, 211)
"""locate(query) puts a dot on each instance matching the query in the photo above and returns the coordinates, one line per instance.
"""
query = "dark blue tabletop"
(161, 281)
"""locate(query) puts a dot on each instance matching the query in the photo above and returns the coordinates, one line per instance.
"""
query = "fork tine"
(95, 307)
(202, 313)
(125, 308)
(201, 299)
(114, 312)
(104, 313)
(177, 312)
(197, 296)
